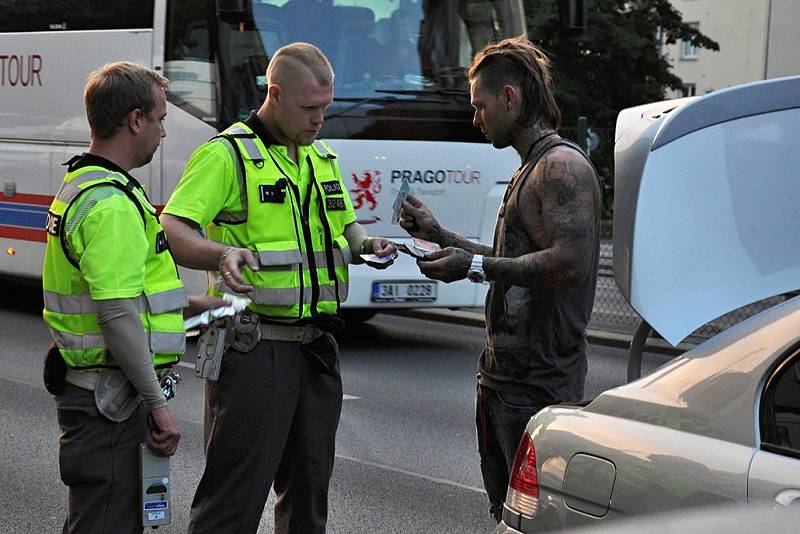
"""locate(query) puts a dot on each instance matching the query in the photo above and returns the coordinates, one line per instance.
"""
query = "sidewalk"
(474, 317)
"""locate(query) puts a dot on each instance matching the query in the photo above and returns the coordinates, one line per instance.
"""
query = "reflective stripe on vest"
(70, 190)
(170, 300)
(287, 296)
(268, 258)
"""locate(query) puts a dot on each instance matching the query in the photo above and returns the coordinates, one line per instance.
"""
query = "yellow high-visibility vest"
(299, 245)
(69, 310)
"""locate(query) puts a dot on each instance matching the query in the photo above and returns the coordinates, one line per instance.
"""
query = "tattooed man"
(542, 266)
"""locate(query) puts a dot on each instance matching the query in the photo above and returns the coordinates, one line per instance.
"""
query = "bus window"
(189, 61)
(216, 68)
(243, 64)
(391, 44)
(393, 47)
(471, 24)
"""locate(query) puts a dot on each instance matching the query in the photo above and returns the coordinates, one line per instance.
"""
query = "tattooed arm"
(418, 220)
(559, 205)
(452, 261)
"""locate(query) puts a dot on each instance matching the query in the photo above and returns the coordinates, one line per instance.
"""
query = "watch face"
(475, 276)
(475, 272)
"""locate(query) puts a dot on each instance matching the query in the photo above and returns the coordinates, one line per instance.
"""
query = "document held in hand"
(402, 194)
(418, 249)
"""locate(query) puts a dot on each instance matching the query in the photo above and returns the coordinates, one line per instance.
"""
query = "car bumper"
(550, 516)
(502, 528)
(510, 522)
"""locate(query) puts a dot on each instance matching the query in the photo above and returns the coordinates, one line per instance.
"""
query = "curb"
(594, 335)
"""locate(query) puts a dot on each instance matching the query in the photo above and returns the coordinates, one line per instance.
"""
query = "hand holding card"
(402, 194)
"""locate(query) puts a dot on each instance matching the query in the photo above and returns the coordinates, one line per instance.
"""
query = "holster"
(211, 346)
(115, 397)
(54, 371)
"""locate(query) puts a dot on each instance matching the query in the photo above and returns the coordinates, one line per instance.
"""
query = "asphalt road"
(406, 452)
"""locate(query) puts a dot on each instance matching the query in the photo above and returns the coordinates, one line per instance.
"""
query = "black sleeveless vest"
(536, 341)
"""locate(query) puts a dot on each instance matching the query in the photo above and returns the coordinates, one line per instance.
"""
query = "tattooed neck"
(527, 138)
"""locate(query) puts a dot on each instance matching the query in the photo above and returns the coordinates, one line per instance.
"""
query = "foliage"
(614, 64)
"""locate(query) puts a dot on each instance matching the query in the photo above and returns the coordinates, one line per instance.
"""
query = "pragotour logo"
(436, 176)
(368, 183)
(367, 186)
(20, 70)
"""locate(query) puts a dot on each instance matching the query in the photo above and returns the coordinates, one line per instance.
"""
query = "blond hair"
(307, 55)
(114, 91)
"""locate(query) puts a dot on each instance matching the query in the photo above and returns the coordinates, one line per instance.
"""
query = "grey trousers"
(99, 462)
(271, 419)
(500, 419)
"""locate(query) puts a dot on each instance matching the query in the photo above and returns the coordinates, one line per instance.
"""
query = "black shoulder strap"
(241, 173)
(553, 142)
(239, 159)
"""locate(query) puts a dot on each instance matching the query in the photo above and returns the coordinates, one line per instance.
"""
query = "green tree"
(615, 63)
(612, 65)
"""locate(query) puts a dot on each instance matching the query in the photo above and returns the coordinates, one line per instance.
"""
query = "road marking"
(413, 474)
(191, 366)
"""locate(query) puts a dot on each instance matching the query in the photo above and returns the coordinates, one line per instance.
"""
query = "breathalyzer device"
(156, 484)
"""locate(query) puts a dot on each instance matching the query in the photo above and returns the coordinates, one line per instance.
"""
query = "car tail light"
(523, 488)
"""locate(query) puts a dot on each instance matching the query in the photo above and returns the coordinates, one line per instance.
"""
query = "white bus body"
(414, 125)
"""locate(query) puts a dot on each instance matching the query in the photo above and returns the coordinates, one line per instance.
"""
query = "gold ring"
(226, 273)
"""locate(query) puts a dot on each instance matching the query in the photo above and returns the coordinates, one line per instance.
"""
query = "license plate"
(403, 291)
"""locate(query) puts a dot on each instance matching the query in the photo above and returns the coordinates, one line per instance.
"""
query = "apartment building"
(758, 39)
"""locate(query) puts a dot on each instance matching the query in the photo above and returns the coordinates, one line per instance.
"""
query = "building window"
(689, 89)
(688, 50)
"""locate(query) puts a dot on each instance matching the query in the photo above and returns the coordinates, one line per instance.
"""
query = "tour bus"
(400, 112)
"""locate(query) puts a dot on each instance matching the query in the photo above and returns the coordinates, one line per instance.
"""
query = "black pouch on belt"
(55, 370)
(323, 354)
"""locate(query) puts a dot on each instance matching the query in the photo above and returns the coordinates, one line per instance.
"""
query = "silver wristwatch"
(475, 272)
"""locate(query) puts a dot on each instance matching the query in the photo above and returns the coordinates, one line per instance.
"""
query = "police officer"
(281, 227)
(113, 304)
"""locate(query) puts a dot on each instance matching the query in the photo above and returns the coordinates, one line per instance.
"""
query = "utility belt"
(114, 395)
(242, 333)
(82, 379)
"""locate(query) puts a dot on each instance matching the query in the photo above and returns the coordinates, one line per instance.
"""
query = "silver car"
(707, 192)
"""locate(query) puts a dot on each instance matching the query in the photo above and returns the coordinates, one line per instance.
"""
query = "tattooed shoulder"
(563, 176)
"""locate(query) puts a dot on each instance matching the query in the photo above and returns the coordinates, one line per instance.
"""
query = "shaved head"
(293, 60)
(299, 90)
